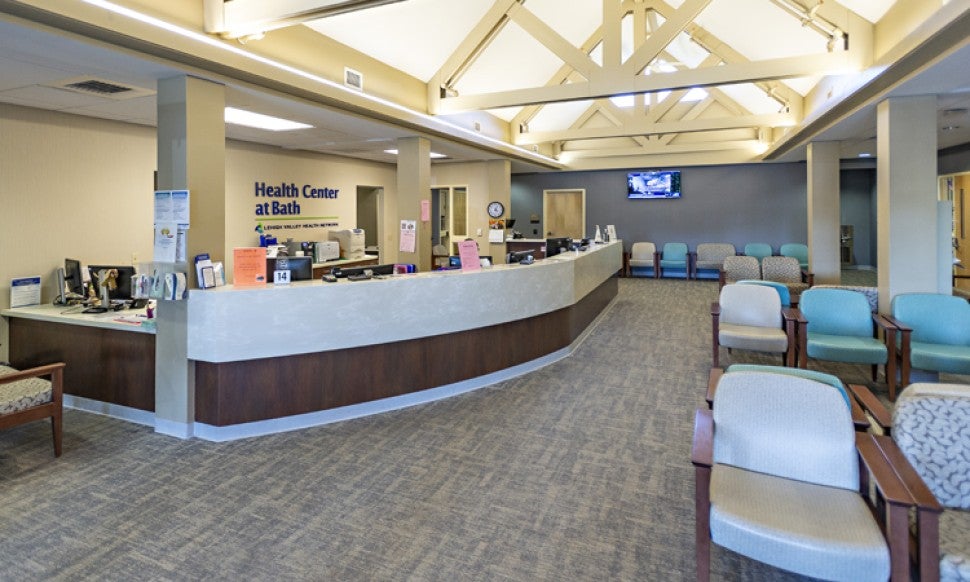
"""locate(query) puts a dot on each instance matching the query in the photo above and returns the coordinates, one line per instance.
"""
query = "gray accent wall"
(736, 204)
(858, 206)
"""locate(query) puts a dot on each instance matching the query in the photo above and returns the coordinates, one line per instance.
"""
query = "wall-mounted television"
(653, 184)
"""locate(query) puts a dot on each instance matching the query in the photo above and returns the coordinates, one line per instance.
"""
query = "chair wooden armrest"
(626, 264)
(928, 509)
(656, 264)
(38, 372)
(892, 495)
(691, 264)
(808, 277)
(872, 406)
(721, 279)
(52, 409)
(712, 380)
(702, 447)
(715, 332)
(905, 332)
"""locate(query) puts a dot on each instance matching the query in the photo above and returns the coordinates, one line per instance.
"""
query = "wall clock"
(496, 209)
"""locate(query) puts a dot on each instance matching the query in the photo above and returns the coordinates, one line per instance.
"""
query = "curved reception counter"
(234, 362)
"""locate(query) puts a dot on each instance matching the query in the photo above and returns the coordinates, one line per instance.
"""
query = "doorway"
(954, 188)
(370, 217)
(564, 213)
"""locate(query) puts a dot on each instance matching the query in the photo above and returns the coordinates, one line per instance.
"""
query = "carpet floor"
(577, 471)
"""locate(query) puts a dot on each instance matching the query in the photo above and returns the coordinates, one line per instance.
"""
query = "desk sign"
(281, 277)
(25, 291)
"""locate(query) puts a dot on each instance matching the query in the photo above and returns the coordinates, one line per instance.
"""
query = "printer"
(351, 242)
(326, 250)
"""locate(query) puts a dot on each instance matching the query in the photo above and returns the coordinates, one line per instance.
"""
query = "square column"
(824, 213)
(413, 186)
(191, 155)
(906, 188)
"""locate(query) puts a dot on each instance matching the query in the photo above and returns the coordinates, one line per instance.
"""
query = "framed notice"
(249, 266)
(25, 291)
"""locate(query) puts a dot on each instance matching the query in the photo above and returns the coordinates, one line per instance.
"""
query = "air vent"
(100, 87)
(353, 79)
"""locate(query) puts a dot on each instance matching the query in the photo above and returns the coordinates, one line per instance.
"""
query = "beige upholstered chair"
(787, 270)
(778, 479)
(643, 259)
(737, 269)
(750, 317)
(25, 396)
(710, 259)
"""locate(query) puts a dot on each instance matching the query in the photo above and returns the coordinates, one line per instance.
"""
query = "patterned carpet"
(578, 471)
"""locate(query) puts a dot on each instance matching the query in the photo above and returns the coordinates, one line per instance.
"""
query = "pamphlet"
(166, 242)
(408, 234)
(25, 291)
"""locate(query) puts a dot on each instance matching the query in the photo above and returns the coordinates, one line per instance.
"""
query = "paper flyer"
(166, 242)
(163, 206)
(425, 210)
(25, 291)
(468, 253)
(408, 235)
(249, 266)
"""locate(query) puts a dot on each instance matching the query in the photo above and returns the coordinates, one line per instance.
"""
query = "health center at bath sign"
(282, 206)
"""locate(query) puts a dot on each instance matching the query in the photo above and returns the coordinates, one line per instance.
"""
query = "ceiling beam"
(750, 72)
(240, 18)
(643, 127)
(552, 40)
(654, 148)
(658, 41)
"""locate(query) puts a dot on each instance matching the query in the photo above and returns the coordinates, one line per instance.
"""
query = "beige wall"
(78, 187)
(486, 181)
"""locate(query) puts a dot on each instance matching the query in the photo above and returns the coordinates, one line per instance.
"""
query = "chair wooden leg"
(57, 430)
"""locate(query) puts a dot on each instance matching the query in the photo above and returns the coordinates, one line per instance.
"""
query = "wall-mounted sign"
(291, 190)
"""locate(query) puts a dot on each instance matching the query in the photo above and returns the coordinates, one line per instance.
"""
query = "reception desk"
(235, 361)
(270, 352)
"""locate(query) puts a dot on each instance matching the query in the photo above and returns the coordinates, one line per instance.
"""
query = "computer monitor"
(557, 245)
(123, 275)
(72, 276)
(300, 268)
(519, 256)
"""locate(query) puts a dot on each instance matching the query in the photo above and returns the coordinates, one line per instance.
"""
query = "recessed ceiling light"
(433, 156)
(950, 127)
(260, 121)
(865, 155)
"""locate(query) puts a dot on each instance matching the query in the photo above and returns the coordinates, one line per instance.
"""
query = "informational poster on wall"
(409, 230)
(172, 206)
(166, 242)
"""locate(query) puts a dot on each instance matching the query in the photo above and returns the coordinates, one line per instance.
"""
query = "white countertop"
(240, 323)
(124, 320)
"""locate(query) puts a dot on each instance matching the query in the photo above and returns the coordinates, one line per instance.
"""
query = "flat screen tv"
(653, 184)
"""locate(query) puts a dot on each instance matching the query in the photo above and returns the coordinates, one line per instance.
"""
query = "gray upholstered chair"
(643, 259)
(25, 396)
(787, 270)
(778, 479)
(931, 426)
(710, 258)
(750, 317)
(838, 326)
(738, 268)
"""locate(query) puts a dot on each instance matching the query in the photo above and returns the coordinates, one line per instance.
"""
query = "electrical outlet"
(479, 231)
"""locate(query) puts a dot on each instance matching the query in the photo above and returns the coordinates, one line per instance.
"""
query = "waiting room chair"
(786, 270)
(934, 333)
(25, 396)
(710, 259)
(778, 475)
(674, 258)
(836, 325)
(779, 288)
(930, 426)
(643, 260)
(758, 250)
(750, 317)
(738, 268)
(796, 250)
(859, 418)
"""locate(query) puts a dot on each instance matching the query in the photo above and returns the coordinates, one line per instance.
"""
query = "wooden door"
(564, 213)
(961, 229)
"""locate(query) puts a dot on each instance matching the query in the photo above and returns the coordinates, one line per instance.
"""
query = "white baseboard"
(113, 410)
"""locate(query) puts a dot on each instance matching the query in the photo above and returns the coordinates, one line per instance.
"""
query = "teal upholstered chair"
(934, 333)
(797, 250)
(780, 288)
(837, 325)
(777, 479)
(750, 317)
(758, 250)
(643, 260)
(674, 260)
